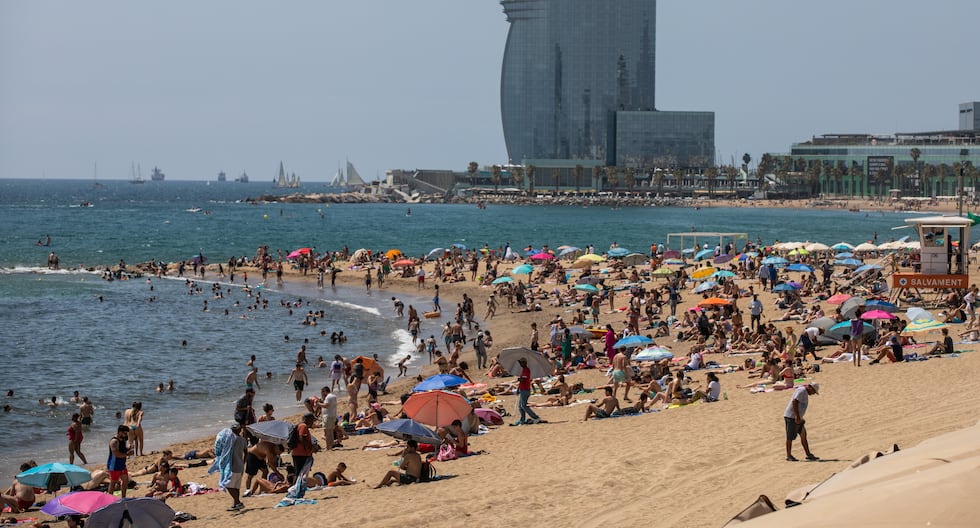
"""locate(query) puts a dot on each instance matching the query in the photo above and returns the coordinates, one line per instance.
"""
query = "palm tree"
(813, 178)
(746, 159)
(531, 169)
(596, 177)
(710, 175)
(837, 174)
(471, 169)
(900, 173)
(611, 177)
(731, 172)
(854, 172)
(915, 153)
(943, 170)
(577, 174)
(495, 173)
(658, 178)
(556, 175)
(928, 174)
(517, 176)
(970, 174)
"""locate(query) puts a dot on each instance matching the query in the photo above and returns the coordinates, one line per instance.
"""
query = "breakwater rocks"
(337, 198)
(575, 200)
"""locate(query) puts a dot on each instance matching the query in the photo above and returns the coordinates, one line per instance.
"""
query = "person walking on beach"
(299, 380)
(524, 390)
(763, 276)
(116, 463)
(75, 436)
(252, 378)
(795, 424)
(857, 331)
(336, 372)
(755, 310)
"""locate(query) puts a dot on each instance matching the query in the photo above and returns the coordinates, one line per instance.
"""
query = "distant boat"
(222, 177)
(95, 177)
(157, 175)
(286, 182)
(137, 175)
(243, 178)
(352, 180)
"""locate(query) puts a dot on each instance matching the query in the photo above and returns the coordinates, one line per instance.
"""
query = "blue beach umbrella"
(867, 267)
(783, 287)
(799, 267)
(884, 306)
(654, 353)
(840, 329)
(689, 250)
(775, 261)
(54, 475)
(705, 286)
(618, 252)
(586, 287)
(407, 429)
(723, 274)
(848, 262)
(501, 280)
(844, 255)
(568, 251)
(439, 382)
(842, 246)
(633, 341)
(703, 254)
(459, 246)
(523, 269)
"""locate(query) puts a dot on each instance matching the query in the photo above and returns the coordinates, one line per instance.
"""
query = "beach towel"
(293, 502)
(222, 457)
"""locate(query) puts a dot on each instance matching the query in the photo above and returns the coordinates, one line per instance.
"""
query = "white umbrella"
(865, 246)
(817, 246)
(541, 367)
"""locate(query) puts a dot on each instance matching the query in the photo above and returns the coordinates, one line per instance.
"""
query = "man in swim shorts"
(604, 408)
(19, 496)
(795, 424)
(621, 373)
(299, 379)
(116, 463)
(410, 465)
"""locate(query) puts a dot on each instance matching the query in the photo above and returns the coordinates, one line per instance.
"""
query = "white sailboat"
(351, 180)
(286, 182)
(137, 176)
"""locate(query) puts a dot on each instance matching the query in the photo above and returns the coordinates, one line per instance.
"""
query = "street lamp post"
(963, 155)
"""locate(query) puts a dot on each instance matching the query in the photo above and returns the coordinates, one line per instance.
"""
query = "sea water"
(70, 330)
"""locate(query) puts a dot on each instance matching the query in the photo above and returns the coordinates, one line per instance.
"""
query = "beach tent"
(634, 259)
(932, 484)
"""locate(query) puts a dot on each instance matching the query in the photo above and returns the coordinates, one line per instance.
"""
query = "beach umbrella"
(578, 331)
(592, 257)
(919, 314)
(439, 382)
(848, 262)
(799, 251)
(884, 306)
(839, 330)
(408, 429)
(721, 259)
(436, 408)
(872, 315)
(675, 262)
(703, 254)
(523, 269)
(867, 267)
(703, 273)
(489, 416)
(714, 301)
(842, 246)
(705, 286)
(78, 503)
(275, 431)
(501, 280)
(588, 279)
(542, 256)
(775, 261)
(143, 512)
(370, 365)
(586, 287)
(460, 246)
(823, 323)
(688, 251)
(540, 366)
(923, 326)
(634, 259)
(865, 246)
(199, 259)
(618, 252)
(654, 353)
(568, 251)
(436, 252)
(293, 255)
(817, 246)
(393, 253)
(785, 246)
(723, 274)
(673, 253)
(664, 271)
(796, 266)
(838, 298)
(54, 475)
(844, 255)
(582, 264)
(784, 287)
(401, 263)
(633, 341)
(848, 307)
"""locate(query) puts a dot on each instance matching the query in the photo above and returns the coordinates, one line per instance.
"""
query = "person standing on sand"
(755, 310)
(299, 380)
(524, 390)
(116, 463)
(795, 424)
(229, 461)
(133, 419)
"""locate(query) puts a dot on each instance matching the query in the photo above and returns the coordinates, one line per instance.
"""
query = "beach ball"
(265, 217)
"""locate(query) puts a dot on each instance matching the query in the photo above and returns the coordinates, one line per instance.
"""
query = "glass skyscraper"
(578, 82)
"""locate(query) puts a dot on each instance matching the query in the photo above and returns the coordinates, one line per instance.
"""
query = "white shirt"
(714, 390)
(801, 395)
(330, 405)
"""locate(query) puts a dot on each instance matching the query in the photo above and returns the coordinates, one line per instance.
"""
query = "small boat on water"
(193, 210)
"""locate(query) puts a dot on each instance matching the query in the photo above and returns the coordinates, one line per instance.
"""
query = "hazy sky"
(197, 87)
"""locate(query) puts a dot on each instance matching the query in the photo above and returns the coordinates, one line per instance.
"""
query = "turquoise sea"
(70, 330)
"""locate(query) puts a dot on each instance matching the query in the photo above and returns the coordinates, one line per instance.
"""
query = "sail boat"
(137, 174)
(352, 180)
(95, 177)
(286, 182)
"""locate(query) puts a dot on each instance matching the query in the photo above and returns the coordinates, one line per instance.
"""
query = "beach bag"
(293, 439)
(428, 472)
(446, 452)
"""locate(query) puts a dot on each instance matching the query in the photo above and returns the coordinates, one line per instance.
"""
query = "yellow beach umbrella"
(662, 271)
(592, 257)
(703, 273)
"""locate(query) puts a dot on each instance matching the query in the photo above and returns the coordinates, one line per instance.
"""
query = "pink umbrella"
(876, 314)
(78, 503)
(672, 253)
(838, 299)
(436, 408)
(542, 256)
(489, 416)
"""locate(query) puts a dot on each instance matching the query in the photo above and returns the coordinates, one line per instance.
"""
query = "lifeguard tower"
(943, 262)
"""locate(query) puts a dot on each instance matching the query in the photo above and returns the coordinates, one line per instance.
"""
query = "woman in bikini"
(75, 437)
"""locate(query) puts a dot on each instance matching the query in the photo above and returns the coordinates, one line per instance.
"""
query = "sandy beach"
(696, 465)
